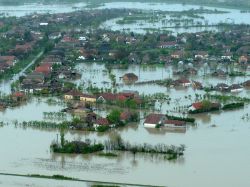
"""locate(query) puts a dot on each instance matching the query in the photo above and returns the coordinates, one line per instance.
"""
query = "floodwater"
(231, 16)
(216, 156)
(27, 9)
(96, 74)
(10, 181)
(33, 110)
(217, 152)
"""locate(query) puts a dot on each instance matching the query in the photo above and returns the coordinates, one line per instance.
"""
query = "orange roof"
(197, 105)
(44, 68)
(18, 94)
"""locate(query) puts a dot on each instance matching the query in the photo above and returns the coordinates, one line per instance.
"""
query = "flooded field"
(209, 151)
(229, 16)
(27, 9)
(161, 24)
(30, 111)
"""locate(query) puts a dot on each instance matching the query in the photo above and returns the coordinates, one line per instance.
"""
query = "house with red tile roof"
(106, 97)
(125, 116)
(204, 106)
(45, 68)
(174, 124)
(3, 67)
(101, 122)
(24, 48)
(10, 60)
(152, 120)
(18, 96)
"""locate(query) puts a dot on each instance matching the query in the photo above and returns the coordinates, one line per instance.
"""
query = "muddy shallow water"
(209, 151)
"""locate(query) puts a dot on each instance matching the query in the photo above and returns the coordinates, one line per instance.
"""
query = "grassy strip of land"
(60, 177)
(189, 120)
(232, 106)
(109, 154)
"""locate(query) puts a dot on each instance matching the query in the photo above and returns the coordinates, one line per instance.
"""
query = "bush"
(232, 106)
(190, 120)
(77, 147)
(102, 128)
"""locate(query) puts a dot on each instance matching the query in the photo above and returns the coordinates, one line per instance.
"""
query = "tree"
(27, 36)
(62, 137)
(206, 105)
(114, 117)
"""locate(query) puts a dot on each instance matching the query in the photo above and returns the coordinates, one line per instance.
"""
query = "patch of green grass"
(108, 154)
(58, 177)
(99, 185)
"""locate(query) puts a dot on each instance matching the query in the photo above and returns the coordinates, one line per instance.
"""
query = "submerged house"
(174, 124)
(221, 87)
(246, 83)
(153, 120)
(204, 106)
(33, 82)
(182, 82)
(18, 96)
(197, 85)
(129, 78)
(101, 122)
(234, 88)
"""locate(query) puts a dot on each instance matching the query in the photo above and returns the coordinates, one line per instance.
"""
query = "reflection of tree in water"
(134, 162)
(153, 158)
(205, 118)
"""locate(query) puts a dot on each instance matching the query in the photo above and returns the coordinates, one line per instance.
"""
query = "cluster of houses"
(6, 62)
(234, 88)
(20, 41)
(161, 120)
(103, 97)
(222, 87)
